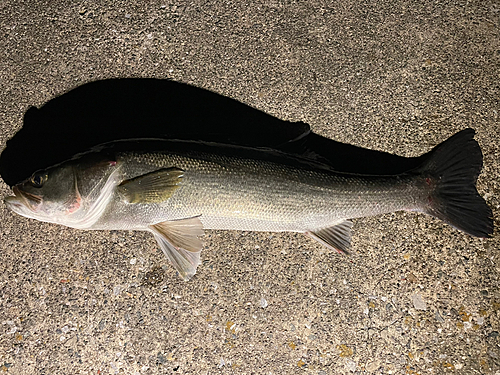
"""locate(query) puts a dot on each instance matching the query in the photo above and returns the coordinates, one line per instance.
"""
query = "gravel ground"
(416, 296)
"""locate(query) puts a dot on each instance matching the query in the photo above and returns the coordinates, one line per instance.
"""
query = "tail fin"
(453, 167)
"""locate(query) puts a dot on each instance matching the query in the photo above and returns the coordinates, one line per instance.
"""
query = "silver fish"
(175, 189)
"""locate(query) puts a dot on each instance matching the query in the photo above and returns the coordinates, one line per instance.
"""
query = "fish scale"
(234, 193)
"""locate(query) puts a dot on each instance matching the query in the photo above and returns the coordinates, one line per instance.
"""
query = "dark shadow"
(109, 110)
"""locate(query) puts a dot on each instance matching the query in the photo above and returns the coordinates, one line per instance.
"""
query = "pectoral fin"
(337, 237)
(180, 243)
(154, 187)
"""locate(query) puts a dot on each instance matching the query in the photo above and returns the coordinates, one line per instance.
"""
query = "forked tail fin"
(452, 168)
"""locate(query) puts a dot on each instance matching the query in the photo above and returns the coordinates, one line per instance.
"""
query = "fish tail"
(451, 170)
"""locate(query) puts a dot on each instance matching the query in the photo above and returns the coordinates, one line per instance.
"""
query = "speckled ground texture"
(416, 296)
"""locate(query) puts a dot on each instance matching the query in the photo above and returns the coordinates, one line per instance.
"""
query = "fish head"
(47, 195)
(62, 194)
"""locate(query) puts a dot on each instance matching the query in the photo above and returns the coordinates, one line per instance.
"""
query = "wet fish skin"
(241, 194)
(174, 189)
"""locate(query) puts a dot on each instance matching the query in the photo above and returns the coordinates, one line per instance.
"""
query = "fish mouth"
(23, 198)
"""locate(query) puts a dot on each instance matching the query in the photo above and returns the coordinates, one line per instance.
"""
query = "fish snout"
(23, 198)
(14, 204)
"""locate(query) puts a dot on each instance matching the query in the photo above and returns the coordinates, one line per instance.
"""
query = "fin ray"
(179, 242)
(336, 237)
(182, 233)
(153, 187)
(453, 167)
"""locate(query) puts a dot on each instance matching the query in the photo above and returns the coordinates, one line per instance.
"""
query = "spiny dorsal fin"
(337, 237)
(180, 243)
(154, 187)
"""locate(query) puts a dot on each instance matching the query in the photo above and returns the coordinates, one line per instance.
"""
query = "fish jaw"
(23, 203)
(14, 204)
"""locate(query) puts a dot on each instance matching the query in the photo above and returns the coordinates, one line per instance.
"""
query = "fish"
(175, 189)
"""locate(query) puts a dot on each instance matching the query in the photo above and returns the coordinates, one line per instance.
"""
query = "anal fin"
(179, 241)
(337, 237)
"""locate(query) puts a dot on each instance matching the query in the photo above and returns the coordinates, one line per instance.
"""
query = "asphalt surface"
(415, 297)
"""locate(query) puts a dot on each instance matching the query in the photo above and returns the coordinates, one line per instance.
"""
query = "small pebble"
(222, 363)
(350, 365)
(373, 366)
(263, 303)
(418, 302)
(161, 358)
(102, 324)
(438, 317)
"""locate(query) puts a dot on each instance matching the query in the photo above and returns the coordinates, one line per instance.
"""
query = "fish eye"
(38, 179)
